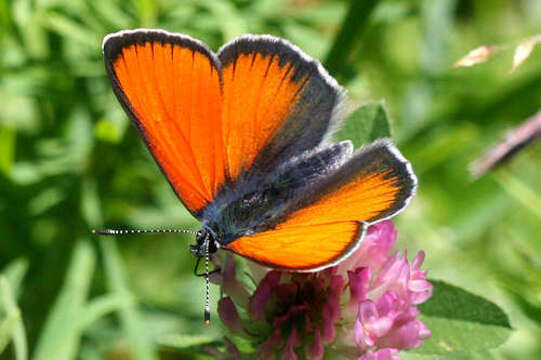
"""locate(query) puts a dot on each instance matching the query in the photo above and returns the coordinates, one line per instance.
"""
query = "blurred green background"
(70, 161)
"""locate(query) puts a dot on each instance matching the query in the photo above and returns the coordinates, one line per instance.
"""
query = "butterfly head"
(205, 239)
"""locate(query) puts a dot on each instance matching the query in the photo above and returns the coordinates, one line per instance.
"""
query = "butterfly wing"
(326, 223)
(277, 103)
(209, 119)
(170, 86)
(301, 248)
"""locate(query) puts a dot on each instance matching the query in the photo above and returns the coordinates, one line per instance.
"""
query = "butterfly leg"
(203, 273)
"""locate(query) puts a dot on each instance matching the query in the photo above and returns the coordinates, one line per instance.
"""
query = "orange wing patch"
(363, 199)
(301, 247)
(259, 93)
(174, 95)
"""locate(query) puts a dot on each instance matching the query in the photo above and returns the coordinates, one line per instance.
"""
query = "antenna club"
(105, 232)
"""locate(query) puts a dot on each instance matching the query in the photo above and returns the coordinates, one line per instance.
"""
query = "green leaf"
(7, 325)
(451, 302)
(461, 321)
(13, 326)
(106, 130)
(101, 306)
(231, 22)
(147, 12)
(45, 200)
(60, 336)
(366, 124)
(26, 16)
(132, 324)
(67, 28)
(183, 341)
(529, 197)
(15, 272)
(110, 12)
(7, 149)
(530, 308)
(90, 203)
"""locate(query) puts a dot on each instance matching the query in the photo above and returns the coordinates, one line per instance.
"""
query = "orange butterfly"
(244, 138)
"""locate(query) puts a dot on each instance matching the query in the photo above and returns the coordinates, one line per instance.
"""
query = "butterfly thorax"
(243, 213)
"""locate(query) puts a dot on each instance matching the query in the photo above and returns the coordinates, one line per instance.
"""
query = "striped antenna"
(207, 286)
(139, 231)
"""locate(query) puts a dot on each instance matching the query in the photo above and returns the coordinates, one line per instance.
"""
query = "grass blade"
(60, 337)
(130, 318)
(14, 321)
(347, 38)
(102, 306)
(6, 330)
(14, 273)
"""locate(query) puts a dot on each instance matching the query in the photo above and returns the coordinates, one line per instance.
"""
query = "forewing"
(169, 84)
(277, 103)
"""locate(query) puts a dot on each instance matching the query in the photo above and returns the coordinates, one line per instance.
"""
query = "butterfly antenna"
(207, 286)
(139, 231)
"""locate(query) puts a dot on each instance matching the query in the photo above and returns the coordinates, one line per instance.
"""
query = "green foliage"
(62, 331)
(461, 322)
(131, 322)
(187, 346)
(366, 124)
(451, 302)
(72, 314)
(11, 322)
(70, 162)
(187, 341)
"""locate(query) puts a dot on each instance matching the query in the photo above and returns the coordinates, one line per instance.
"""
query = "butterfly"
(244, 137)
